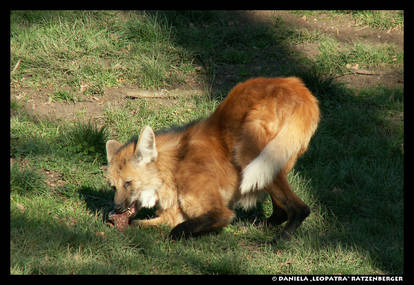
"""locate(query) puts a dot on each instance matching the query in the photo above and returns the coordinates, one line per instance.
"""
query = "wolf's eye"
(127, 184)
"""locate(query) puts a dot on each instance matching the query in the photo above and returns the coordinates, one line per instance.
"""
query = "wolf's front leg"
(154, 222)
(171, 217)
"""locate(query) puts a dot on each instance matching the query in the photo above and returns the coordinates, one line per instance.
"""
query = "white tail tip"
(259, 173)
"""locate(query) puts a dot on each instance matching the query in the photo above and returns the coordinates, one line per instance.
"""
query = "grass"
(94, 49)
(333, 60)
(351, 177)
(378, 19)
(383, 20)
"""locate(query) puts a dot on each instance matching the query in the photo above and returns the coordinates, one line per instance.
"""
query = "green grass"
(351, 176)
(378, 19)
(334, 59)
(96, 49)
(383, 20)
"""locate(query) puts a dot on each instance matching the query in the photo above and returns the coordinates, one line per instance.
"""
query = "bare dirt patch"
(39, 103)
(383, 76)
(91, 108)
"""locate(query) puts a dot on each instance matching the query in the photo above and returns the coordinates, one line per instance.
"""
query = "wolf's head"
(132, 171)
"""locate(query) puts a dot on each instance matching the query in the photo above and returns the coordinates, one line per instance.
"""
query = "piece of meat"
(121, 221)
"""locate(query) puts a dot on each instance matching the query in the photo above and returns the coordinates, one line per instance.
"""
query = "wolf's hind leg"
(296, 210)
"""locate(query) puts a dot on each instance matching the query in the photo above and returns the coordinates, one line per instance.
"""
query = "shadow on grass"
(41, 246)
(101, 201)
(354, 167)
(53, 246)
(79, 139)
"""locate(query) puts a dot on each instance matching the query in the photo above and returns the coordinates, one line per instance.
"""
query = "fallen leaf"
(21, 208)
(83, 87)
(71, 222)
(16, 67)
(103, 101)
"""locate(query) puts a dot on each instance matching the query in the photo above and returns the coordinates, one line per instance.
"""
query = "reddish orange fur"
(199, 170)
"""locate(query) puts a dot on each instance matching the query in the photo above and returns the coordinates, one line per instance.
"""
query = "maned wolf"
(198, 174)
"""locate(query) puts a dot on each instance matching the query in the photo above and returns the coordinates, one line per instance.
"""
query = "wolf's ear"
(146, 150)
(112, 147)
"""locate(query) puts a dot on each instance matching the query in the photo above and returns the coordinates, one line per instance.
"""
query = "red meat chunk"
(121, 221)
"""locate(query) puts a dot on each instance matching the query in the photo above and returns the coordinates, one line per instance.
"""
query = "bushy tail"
(272, 159)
